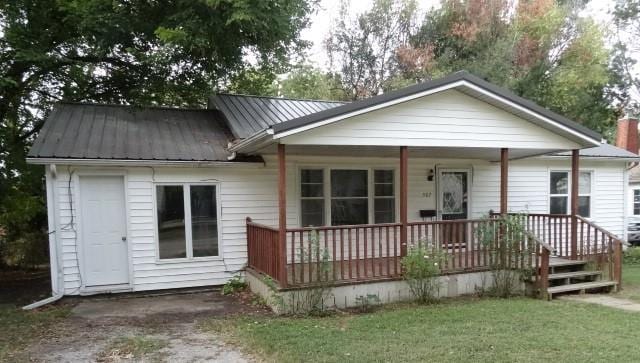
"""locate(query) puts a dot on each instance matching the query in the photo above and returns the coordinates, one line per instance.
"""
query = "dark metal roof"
(92, 131)
(426, 86)
(603, 151)
(247, 115)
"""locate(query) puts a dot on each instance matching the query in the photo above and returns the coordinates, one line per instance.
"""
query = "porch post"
(282, 216)
(504, 179)
(575, 179)
(404, 156)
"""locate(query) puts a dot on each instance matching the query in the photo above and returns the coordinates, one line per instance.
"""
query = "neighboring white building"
(157, 198)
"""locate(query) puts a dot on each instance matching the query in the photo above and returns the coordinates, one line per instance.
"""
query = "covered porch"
(298, 256)
(461, 119)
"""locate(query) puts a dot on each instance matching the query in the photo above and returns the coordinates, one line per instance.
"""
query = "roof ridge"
(169, 108)
(278, 98)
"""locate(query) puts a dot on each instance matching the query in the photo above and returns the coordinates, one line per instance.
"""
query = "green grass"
(488, 330)
(630, 282)
(21, 328)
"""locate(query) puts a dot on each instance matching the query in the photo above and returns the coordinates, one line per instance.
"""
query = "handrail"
(600, 229)
(344, 226)
(542, 243)
(250, 223)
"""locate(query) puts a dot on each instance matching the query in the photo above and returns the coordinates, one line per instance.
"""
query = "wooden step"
(559, 262)
(580, 287)
(570, 275)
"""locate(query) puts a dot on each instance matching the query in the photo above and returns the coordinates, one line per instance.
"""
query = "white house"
(158, 198)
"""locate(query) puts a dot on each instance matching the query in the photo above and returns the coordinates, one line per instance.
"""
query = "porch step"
(560, 262)
(573, 274)
(581, 287)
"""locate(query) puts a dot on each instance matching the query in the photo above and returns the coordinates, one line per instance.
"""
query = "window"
(559, 198)
(347, 196)
(187, 221)
(636, 202)
(384, 200)
(312, 197)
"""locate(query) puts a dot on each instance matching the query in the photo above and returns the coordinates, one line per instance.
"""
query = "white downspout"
(55, 250)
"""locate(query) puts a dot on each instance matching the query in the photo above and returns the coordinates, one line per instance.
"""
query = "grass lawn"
(630, 282)
(20, 328)
(487, 330)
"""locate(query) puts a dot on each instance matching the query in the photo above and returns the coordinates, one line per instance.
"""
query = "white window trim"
(568, 194)
(633, 201)
(327, 189)
(187, 216)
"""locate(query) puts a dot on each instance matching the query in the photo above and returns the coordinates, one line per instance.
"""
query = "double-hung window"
(636, 202)
(187, 218)
(559, 193)
(352, 196)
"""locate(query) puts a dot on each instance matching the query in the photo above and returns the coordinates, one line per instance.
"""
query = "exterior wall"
(252, 191)
(447, 119)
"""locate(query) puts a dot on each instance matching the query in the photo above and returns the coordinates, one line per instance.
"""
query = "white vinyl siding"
(252, 192)
(445, 119)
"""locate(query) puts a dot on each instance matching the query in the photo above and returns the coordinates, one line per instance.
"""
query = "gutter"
(57, 286)
(131, 162)
(257, 140)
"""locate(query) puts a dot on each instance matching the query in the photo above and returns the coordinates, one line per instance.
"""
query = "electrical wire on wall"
(71, 226)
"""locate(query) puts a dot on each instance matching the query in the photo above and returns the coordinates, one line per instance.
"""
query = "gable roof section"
(247, 115)
(604, 151)
(461, 81)
(92, 131)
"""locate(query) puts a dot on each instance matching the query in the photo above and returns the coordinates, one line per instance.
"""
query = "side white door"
(104, 232)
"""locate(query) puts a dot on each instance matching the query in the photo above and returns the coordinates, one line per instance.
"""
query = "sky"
(329, 9)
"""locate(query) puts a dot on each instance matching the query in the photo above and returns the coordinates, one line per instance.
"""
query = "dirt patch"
(160, 328)
(22, 287)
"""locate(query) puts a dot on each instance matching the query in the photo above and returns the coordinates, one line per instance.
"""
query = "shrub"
(234, 285)
(422, 267)
(632, 256)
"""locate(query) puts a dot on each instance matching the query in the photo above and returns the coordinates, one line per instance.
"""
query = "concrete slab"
(605, 300)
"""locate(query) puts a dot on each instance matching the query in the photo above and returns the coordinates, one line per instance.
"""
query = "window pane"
(384, 210)
(311, 176)
(559, 182)
(558, 205)
(312, 212)
(349, 211)
(348, 183)
(383, 176)
(584, 186)
(311, 190)
(171, 233)
(583, 206)
(204, 221)
(384, 190)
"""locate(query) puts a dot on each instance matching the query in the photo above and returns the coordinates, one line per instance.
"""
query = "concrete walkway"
(605, 300)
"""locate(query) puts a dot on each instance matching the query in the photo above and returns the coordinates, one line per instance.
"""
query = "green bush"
(234, 285)
(632, 256)
(422, 267)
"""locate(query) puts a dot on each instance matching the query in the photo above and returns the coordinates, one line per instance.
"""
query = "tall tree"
(305, 81)
(141, 52)
(627, 19)
(363, 49)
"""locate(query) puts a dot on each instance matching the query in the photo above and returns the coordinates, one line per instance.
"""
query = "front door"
(453, 194)
(103, 228)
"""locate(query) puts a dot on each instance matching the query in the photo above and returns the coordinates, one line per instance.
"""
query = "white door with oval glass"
(105, 257)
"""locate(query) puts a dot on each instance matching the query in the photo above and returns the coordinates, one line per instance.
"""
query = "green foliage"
(134, 52)
(312, 298)
(234, 285)
(422, 267)
(503, 237)
(632, 256)
(307, 82)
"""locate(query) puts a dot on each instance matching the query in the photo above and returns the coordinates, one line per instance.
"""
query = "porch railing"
(592, 242)
(373, 252)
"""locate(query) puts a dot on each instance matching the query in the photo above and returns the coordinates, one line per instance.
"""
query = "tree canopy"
(135, 52)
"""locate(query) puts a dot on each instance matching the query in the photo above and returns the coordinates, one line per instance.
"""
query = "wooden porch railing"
(373, 252)
(593, 242)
